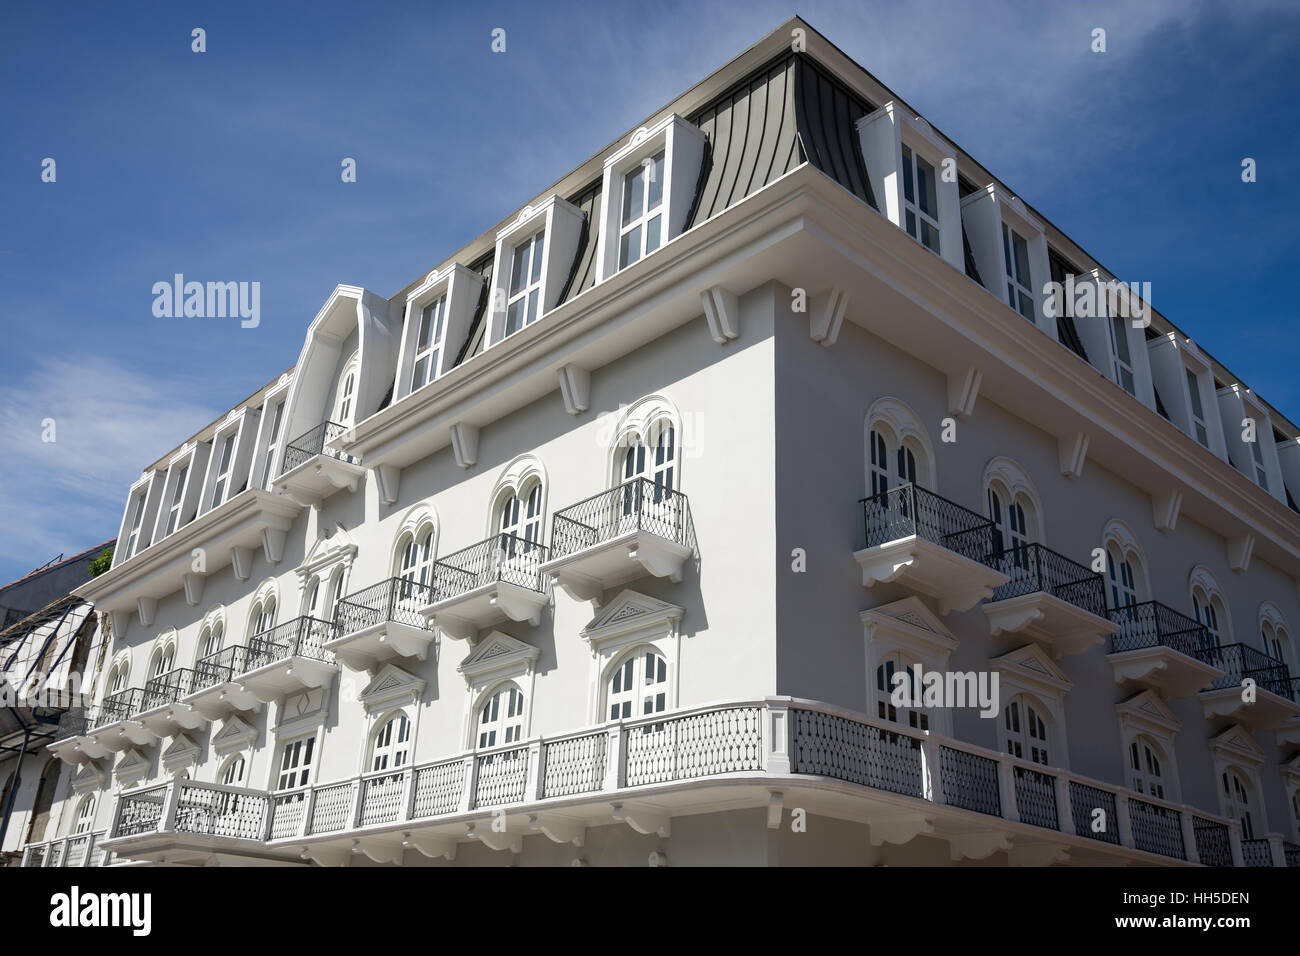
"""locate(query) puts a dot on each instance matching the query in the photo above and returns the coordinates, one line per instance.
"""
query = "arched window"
(390, 748)
(898, 448)
(85, 814)
(415, 557)
(118, 677)
(162, 660)
(1237, 802)
(232, 775)
(501, 717)
(1013, 509)
(1146, 773)
(1025, 730)
(210, 639)
(346, 402)
(638, 686)
(1274, 635)
(1210, 608)
(311, 598)
(263, 615)
(654, 458)
(910, 716)
(1126, 581)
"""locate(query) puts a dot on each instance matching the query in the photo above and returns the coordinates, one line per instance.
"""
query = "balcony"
(81, 849)
(1158, 647)
(905, 784)
(1056, 601)
(495, 580)
(635, 529)
(928, 544)
(381, 622)
(312, 471)
(71, 742)
(112, 724)
(217, 690)
(162, 710)
(1275, 701)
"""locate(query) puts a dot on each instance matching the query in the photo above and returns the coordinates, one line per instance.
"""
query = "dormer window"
(272, 445)
(137, 518)
(346, 389)
(522, 307)
(223, 469)
(648, 189)
(1120, 354)
(1261, 476)
(178, 500)
(428, 343)
(1199, 428)
(920, 201)
(641, 231)
(1015, 253)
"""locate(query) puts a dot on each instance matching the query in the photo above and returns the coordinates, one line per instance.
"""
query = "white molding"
(963, 390)
(1073, 452)
(722, 312)
(826, 316)
(575, 388)
(464, 444)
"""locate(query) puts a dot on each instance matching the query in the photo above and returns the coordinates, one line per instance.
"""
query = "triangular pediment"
(1237, 743)
(182, 753)
(131, 767)
(1031, 665)
(1149, 711)
(235, 734)
(912, 617)
(631, 611)
(90, 777)
(498, 652)
(327, 550)
(391, 684)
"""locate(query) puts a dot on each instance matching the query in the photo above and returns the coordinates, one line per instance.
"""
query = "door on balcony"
(657, 463)
(1024, 731)
(1123, 582)
(520, 525)
(1207, 614)
(892, 670)
(1145, 773)
(638, 687)
(415, 574)
(891, 466)
(1010, 532)
(1236, 800)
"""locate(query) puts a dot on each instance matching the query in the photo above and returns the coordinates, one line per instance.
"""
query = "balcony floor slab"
(1171, 672)
(957, 582)
(585, 575)
(1058, 625)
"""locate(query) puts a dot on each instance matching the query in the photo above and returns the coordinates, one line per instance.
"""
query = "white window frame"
(432, 317)
(1029, 673)
(223, 464)
(651, 170)
(1146, 717)
(274, 435)
(304, 750)
(176, 506)
(1018, 288)
(1200, 424)
(1016, 730)
(85, 821)
(527, 296)
(135, 509)
(501, 716)
(391, 743)
(914, 218)
(1121, 355)
(345, 401)
(637, 685)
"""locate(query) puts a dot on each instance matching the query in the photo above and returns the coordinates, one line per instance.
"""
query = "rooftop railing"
(636, 505)
(1240, 661)
(394, 599)
(1152, 624)
(911, 510)
(1035, 567)
(312, 443)
(503, 557)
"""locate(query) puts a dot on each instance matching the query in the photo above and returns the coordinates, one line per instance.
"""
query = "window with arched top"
(501, 717)
(894, 672)
(118, 677)
(263, 615)
(1126, 579)
(653, 456)
(415, 556)
(519, 519)
(1238, 801)
(85, 814)
(1274, 635)
(390, 746)
(898, 448)
(210, 638)
(234, 771)
(345, 403)
(1146, 767)
(162, 660)
(1014, 510)
(1210, 608)
(638, 686)
(1025, 730)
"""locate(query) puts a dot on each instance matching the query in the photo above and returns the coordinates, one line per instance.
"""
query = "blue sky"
(225, 166)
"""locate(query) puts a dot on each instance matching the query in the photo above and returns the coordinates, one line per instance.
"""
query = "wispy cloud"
(107, 424)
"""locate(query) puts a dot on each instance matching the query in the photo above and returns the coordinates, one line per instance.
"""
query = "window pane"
(925, 188)
(652, 234)
(519, 267)
(538, 243)
(633, 195)
(656, 185)
(909, 193)
(629, 249)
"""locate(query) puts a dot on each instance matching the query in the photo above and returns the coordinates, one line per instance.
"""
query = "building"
(603, 541)
(44, 658)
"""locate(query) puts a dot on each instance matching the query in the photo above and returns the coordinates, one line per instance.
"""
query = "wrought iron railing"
(217, 810)
(1094, 812)
(911, 510)
(1035, 567)
(831, 745)
(168, 688)
(222, 667)
(73, 722)
(394, 599)
(970, 781)
(139, 812)
(636, 505)
(1036, 797)
(120, 706)
(1156, 829)
(77, 850)
(1257, 852)
(503, 557)
(1291, 853)
(312, 443)
(1152, 624)
(1213, 842)
(301, 637)
(1240, 661)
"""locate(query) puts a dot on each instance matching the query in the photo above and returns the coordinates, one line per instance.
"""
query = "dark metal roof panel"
(583, 276)
(827, 120)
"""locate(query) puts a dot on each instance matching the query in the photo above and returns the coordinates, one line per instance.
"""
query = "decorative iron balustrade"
(1156, 829)
(222, 667)
(636, 505)
(302, 637)
(1256, 853)
(1035, 567)
(911, 510)
(1240, 661)
(77, 850)
(1291, 853)
(139, 812)
(1213, 842)
(395, 599)
(692, 745)
(1036, 797)
(574, 765)
(120, 706)
(168, 688)
(1152, 624)
(312, 443)
(503, 557)
(970, 781)
(73, 722)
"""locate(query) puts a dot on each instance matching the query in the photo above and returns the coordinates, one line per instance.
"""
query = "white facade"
(560, 555)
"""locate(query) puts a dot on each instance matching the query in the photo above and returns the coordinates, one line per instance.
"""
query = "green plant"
(101, 563)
